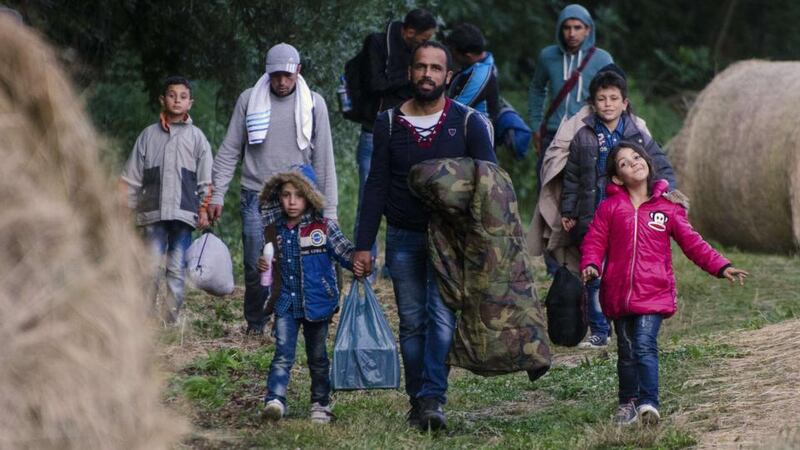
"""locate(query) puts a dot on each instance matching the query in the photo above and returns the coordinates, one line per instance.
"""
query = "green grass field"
(216, 378)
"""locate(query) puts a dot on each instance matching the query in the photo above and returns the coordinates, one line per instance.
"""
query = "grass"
(221, 389)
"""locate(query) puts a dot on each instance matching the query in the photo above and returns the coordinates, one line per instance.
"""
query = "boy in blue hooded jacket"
(575, 39)
(304, 290)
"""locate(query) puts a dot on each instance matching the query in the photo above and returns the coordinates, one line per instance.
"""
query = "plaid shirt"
(606, 140)
(337, 246)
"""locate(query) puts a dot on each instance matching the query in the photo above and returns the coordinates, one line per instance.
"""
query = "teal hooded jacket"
(555, 65)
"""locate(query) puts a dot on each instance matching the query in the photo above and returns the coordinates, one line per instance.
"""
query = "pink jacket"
(635, 244)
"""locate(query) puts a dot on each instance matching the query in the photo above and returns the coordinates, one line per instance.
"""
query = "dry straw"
(76, 362)
(738, 157)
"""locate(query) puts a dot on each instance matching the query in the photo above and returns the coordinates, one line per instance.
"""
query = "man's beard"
(428, 97)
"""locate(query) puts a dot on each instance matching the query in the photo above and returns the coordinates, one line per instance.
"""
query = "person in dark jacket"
(584, 174)
(476, 84)
(388, 58)
(429, 126)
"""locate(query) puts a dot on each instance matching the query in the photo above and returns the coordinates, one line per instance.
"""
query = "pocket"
(189, 200)
(150, 195)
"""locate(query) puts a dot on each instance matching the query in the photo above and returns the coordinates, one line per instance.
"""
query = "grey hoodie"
(554, 67)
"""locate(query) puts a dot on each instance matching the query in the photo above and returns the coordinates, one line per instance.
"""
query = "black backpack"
(356, 72)
(566, 315)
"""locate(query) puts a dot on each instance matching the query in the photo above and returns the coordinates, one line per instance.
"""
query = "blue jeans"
(170, 238)
(285, 332)
(598, 324)
(255, 295)
(426, 323)
(637, 366)
(364, 159)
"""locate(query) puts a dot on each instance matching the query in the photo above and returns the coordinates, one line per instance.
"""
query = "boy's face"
(177, 101)
(293, 202)
(609, 104)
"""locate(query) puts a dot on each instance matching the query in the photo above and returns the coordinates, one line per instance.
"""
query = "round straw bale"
(77, 361)
(738, 157)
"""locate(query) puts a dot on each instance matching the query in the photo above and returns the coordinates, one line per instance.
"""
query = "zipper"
(633, 257)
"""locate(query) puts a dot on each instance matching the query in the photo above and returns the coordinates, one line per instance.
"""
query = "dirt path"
(753, 401)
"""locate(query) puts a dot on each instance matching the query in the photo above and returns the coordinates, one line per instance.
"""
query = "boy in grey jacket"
(168, 176)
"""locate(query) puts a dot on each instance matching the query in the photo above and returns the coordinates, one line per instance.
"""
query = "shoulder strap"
(388, 49)
(486, 121)
(568, 85)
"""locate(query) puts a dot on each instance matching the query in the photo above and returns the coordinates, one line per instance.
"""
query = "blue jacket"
(476, 86)
(554, 67)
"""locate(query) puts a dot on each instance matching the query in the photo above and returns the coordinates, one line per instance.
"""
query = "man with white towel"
(276, 124)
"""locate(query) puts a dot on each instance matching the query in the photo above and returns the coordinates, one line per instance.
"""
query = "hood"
(659, 188)
(575, 11)
(303, 178)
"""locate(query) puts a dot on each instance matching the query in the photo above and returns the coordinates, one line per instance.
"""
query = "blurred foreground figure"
(76, 366)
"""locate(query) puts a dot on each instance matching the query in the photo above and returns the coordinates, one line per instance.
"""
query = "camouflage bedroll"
(478, 249)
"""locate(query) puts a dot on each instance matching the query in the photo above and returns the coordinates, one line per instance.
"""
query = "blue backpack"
(512, 131)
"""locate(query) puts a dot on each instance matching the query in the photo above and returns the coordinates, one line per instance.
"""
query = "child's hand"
(262, 264)
(202, 220)
(732, 274)
(567, 223)
(589, 274)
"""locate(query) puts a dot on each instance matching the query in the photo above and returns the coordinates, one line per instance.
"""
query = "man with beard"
(428, 126)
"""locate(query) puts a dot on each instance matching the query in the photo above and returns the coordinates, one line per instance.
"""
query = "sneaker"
(321, 414)
(626, 414)
(432, 415)
(649, 414)
(274, 410)
(594, 341)
(413, 416)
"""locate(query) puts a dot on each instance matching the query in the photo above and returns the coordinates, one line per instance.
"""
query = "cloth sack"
(566, 318)
(365, 352)
(209, 265)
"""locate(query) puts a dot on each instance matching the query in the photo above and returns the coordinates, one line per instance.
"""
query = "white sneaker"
(274, 410)
(648, 414)
(320, 414)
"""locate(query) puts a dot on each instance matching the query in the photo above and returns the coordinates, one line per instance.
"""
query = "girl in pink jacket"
(631, 232)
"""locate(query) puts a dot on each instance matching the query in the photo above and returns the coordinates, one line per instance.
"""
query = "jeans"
(285, 332)
(170, 237)
(637, 366)
(363, 158)
(598, 324)
(255, 295)
(426, 323)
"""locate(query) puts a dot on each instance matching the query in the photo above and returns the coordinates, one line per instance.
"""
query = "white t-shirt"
(424, 124)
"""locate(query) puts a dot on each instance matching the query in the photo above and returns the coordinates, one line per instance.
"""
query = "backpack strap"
(483, 118)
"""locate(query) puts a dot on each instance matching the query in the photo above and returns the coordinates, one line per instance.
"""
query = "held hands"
(214, 211)
(362, 263)
(262, 264)
(567, 223)
(733, 274)
(202, 220)
(589, 274)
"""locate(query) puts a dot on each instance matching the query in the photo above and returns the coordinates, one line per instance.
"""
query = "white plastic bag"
(209, 266)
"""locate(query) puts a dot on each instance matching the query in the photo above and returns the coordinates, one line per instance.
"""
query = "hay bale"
(76, 361)
(738, 157)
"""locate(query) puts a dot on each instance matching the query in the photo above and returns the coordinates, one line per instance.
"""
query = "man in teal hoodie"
(575, 39)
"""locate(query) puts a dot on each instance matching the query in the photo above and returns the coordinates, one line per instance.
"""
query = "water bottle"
(345, 104)
(266, 277)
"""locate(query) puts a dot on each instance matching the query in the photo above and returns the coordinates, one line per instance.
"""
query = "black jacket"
(582, 179)
(387, 64)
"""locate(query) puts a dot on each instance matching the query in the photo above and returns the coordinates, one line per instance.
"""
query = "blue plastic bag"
(365, 352)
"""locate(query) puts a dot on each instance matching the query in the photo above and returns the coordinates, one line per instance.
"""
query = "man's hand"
(589, 274)
(362, 263)
(567, 223)
(214, 211)
(733, 274)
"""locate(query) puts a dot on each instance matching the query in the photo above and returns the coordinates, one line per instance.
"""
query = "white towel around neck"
(257, 117)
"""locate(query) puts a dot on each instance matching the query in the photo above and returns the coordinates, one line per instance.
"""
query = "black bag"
(566, 315)
(364, 107)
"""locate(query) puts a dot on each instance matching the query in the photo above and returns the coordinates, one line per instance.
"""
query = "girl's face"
(631, 168)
